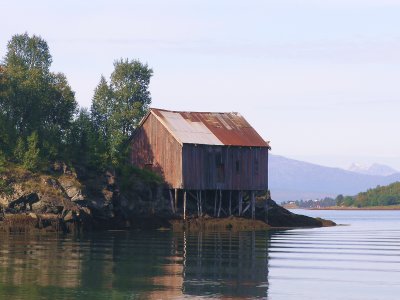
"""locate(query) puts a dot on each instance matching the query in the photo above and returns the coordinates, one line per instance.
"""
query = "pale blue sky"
(320, 79)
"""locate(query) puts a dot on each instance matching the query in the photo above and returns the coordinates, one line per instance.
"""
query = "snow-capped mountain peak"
(374, 169)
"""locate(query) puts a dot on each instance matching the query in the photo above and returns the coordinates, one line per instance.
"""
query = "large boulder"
(72, 187)
(277, 216)
(26, 192)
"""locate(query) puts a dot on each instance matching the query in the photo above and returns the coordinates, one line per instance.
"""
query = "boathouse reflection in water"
(148, 265)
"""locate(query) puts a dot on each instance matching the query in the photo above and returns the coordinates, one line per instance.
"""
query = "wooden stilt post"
(172, 201)
(240, 202)
(215, 203)
(198, 203)
(184, 205)
(201, 204)
(253, 205)
(230, 203)
(220, 203)
(176, 200)
(266, 206)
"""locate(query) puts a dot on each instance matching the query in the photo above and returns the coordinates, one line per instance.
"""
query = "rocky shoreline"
(60, 200)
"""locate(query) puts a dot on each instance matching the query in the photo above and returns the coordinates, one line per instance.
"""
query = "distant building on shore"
(204, 156)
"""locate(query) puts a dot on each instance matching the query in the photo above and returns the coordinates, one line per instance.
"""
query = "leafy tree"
(339, 200)
(7, 136)
(85, 145)
(28, 52)
(119, 106)
(31, 157)
(26, 66)
(348, 201)
(33, 99)
(38, 111)
(4, 124)
(101, 114)
(78, 141)
(130, 84)
(60, 106)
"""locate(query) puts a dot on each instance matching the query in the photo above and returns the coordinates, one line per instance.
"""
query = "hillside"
(291, 179)
(380, 196)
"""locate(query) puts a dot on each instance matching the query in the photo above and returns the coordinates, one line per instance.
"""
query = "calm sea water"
(358, 261)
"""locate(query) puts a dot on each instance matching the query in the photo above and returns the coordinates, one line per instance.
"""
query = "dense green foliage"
(118, 106)
(31, 157)
(379, 196)
(3, 160)
(33, 100)
(39, 117)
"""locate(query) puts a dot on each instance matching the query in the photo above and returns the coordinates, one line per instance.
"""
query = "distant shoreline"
(394, 207)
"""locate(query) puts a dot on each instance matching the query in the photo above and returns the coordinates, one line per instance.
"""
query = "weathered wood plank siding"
(155, 148)
(224, 167)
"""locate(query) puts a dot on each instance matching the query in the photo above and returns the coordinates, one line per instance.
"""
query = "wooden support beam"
(193, 195)
(215, 203)
(240, 202)
(253, 205)
(220, 203)
(196, 197)
(266, 206)
(230, 203)
(247, 207)
(172, 201)
(198, 203)
(176, 200)
(236, 208)
(184, 205)
(201, 204)
(223, 211)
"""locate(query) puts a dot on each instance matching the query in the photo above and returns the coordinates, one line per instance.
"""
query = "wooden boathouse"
(213, 163)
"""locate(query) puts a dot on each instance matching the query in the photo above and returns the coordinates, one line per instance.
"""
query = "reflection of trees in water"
(102, 265)
(148, 265)
(31, 266)
(38, 260)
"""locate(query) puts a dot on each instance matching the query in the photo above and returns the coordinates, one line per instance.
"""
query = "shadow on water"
(135, 265)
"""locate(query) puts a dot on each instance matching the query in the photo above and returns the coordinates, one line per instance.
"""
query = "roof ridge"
(196, 112)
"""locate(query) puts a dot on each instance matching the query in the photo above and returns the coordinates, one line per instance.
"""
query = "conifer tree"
(3, 160)
(31, 158)
(20, 149)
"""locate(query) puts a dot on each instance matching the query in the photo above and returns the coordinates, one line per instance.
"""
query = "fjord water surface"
(358, 261)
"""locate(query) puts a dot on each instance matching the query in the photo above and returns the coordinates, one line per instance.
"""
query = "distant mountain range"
(374, 169)
(291, 179)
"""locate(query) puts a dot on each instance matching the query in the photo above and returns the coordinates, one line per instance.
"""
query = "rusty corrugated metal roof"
(209, 128)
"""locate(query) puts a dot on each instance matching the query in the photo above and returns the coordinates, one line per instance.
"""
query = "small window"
(237, 166)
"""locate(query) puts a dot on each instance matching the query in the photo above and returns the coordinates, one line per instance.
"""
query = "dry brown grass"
(219, 224)
(24, 223)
